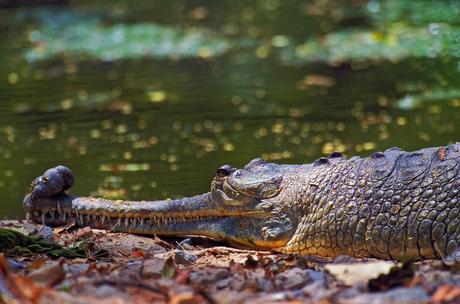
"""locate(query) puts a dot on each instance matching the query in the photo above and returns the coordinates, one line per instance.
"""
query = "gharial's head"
(252, 197)
(246, 207)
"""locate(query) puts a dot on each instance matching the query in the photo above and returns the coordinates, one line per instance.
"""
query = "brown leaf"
(205, 276)
(84, 233)
(67, 227)
(292, 278)
(182, 276)
(16, 289)
(446, 293)
(48, 275)
(37, 263)
(9, 293)
(185, 298)
(232, 297)
(136, 253)
(156, 266)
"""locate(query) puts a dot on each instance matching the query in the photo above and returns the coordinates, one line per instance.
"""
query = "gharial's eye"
(225, 171)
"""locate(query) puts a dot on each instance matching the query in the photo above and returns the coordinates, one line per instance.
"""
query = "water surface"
(145, 101)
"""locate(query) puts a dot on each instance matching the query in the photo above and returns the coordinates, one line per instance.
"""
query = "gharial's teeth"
(126, 221)
(59, 207)
(28, 216)
(142, 221)
(81, 218)
(154, 220)
(63, 216)
(102, 219)
(43, 218)
(117, 223)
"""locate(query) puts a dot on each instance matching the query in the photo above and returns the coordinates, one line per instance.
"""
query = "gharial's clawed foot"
(54, 181)
(453, 259)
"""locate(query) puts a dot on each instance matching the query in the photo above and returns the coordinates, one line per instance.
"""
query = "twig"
(227, 249)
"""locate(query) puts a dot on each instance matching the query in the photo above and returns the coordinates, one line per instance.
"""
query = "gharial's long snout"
(154, 217)
(49, 204)
(203, 215)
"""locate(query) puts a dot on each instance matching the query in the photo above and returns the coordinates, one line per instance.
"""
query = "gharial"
(391, 205)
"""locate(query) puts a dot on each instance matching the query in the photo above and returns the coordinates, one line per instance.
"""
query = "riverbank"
(99, 266)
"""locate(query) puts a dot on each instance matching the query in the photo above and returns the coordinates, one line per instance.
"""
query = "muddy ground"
(82, 265)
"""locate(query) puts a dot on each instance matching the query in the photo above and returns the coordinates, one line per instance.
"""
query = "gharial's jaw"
(251, 229)
(255, 224)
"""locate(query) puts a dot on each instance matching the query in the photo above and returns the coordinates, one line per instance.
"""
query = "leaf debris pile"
(123, 268)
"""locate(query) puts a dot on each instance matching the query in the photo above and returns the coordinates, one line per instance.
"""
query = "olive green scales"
(391, 205)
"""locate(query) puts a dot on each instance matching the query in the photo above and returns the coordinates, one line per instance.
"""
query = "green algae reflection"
(121, 41)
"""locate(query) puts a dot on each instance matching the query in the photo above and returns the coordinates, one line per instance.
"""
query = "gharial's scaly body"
(392, 204)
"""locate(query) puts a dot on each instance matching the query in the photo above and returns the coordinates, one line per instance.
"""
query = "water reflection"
(85, 86)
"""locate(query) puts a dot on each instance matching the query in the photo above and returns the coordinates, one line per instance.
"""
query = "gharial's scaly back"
(393, 204)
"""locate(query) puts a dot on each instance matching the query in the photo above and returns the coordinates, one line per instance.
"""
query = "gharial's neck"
(319, 193)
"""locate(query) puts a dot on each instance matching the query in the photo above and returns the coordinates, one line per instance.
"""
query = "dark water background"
(144, 100)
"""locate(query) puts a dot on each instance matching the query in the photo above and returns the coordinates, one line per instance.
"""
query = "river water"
(146, 101)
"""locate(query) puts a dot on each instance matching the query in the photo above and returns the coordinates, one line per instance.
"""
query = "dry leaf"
(37, 263)
(16, 289)
(136, 253)
(84, 233)
(154, 267)
(356, 273)
(446, 293)
(48, 275)
(67, 227)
